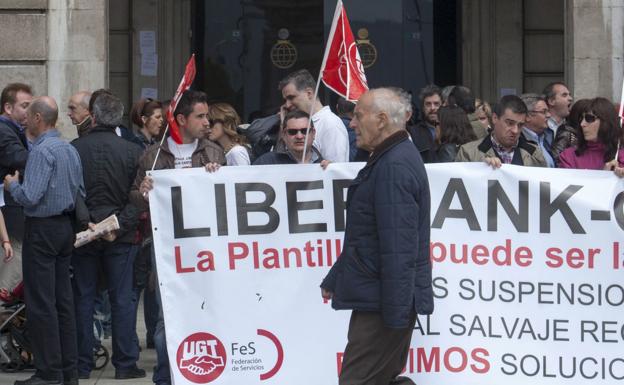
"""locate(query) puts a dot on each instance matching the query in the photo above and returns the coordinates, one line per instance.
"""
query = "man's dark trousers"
(51, 324)
(117, 260)
(375, 354)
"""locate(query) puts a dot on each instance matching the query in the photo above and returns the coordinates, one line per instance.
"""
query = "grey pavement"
(106, 376)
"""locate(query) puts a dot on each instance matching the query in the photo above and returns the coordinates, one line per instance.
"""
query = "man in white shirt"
(332, 139)
(559, 100)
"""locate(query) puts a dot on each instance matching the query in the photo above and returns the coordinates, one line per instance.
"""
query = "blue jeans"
(117, 260)
(162, 375)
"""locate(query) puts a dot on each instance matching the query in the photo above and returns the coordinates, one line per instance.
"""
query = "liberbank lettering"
(323, 252)
(526, 274)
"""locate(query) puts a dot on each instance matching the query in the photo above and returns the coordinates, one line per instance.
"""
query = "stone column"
(77, 51)
(595, 42)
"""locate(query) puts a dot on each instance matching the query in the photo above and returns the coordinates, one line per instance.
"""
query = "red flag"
(342, 70)
(185, 84)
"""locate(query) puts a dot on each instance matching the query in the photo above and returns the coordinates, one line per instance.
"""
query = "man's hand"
(110, 236)
(326, 294)
(324, 164)
(493, 162)
(212, 167)
(8, 179)
(147, 185)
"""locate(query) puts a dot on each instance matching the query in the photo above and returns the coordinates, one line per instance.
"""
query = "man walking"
(48, 194)
(384, 271)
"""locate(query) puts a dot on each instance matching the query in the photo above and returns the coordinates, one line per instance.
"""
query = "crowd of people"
(53, 189)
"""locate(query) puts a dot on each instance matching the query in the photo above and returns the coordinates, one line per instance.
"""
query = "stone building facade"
(62, 46)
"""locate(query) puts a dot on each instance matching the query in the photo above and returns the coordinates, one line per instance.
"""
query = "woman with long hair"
(223, 121)
(455, 130)
(599, 145)
(147, 114)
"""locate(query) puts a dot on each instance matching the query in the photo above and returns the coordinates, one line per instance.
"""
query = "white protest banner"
(527, 268)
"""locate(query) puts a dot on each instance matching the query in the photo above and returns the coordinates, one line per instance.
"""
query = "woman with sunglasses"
(598, 146)
(223, 121)
(147, 114)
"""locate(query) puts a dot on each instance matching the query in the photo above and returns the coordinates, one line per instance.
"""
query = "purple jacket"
(592, 158)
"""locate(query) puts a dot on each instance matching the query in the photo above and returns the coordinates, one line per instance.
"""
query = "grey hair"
(405, 97)
(392, 101)
(46, 108)
(107, 110)
(85, 96)
(530, 100)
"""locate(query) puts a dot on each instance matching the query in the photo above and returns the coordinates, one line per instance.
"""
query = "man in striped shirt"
(53, 180)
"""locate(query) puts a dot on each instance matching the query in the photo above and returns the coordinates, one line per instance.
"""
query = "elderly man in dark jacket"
(109, 165)
(384, 271)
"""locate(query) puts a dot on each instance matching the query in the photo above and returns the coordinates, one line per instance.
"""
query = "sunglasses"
(295, 131)
(212, 122)
(589, 118)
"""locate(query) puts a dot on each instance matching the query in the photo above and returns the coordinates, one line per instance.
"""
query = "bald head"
(41, 115)
(78, 107)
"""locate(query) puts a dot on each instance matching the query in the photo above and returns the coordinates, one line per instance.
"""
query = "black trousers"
(375, 354)
(50, 320)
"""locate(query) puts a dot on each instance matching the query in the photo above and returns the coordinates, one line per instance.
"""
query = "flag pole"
(185, 84)
(318, 80)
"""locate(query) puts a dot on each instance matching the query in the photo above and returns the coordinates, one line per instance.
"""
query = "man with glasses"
(504, 144)
(294, 137)
(536, 129)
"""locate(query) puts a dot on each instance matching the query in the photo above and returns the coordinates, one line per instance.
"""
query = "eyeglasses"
(589, 118)
(212, 122)
(544, 112)
(295, 131)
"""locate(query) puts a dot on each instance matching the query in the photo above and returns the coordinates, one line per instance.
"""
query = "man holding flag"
(191, 118)
(342, 72)
(332, 139)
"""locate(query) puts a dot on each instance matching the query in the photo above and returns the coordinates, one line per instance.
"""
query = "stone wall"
(56, 46)
(595, 42)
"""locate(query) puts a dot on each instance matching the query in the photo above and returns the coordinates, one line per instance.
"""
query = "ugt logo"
(201, 358)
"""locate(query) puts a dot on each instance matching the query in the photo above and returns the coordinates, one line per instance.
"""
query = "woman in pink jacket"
(600, 142)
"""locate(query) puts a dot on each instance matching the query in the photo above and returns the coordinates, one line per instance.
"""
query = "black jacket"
(13, 148)
(384, 265)
(109, 165)
(13, 157)
(423, 140)
(284, 157)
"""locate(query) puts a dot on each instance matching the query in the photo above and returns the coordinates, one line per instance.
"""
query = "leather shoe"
(34, 380)
(73, 381)
(84, 376)
(129, 373)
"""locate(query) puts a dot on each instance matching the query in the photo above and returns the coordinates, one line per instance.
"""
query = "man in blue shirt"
(48, 194)
(536, 126)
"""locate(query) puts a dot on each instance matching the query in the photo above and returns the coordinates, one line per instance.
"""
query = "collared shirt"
(544, 141)
(331, 138)
(506, 156)
(553, 125)
(53, 178)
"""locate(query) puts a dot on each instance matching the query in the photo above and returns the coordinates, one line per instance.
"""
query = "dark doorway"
(446, 38)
